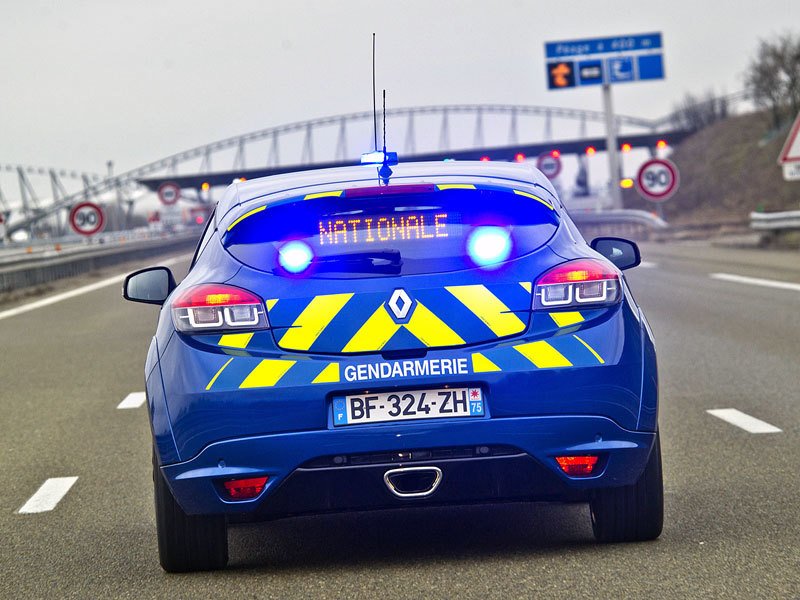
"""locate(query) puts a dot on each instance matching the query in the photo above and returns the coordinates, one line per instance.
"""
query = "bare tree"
(773, 77)
(696, 112)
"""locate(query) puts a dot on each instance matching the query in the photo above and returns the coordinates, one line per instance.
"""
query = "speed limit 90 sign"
(657, 179)
(86, 218)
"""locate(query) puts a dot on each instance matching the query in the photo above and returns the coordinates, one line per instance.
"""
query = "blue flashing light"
(489, 246)
(379, 158)
(295, 256)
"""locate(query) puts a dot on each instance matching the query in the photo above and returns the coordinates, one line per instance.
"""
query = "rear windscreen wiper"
(371, 261)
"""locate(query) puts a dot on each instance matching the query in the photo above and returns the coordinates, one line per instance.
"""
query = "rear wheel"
(187, 542)
(632, 513)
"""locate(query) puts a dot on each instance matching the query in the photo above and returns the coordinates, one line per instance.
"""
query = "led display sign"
(377, 229)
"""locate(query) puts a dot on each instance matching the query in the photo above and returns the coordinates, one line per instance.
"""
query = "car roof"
(311, 181)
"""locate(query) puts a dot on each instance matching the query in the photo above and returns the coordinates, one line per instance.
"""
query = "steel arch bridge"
(425, 131)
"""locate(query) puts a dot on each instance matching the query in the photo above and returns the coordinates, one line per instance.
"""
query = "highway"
(728, 337)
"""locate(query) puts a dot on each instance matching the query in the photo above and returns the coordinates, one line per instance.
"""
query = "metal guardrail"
(44, 271)
(776, 221)
(625, 222)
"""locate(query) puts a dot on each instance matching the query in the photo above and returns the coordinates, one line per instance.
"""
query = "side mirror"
(623, 253)
(151, 286)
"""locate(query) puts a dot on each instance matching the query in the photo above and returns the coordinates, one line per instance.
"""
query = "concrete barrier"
(44, 271)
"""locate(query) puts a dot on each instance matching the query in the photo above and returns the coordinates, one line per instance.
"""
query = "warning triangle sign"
(791, 149)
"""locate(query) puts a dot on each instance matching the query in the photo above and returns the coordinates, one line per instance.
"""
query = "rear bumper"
(302, 480)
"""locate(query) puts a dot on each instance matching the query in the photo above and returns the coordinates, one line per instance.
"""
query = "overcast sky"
(85, 81)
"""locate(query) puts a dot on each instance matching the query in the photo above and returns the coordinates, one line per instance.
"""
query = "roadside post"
(603, 62)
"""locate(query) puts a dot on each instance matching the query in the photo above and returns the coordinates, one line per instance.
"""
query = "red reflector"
(577, 466)
(242, 489)
(214, 294)
(587, 269)
(385, 190)
(485, 159)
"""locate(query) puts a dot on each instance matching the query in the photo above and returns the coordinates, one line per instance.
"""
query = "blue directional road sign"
(620, 68)
(590, 72)
(595, 61)
(625, 43)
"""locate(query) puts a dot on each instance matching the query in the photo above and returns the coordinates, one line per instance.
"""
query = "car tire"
(632, 513)
(187, 542)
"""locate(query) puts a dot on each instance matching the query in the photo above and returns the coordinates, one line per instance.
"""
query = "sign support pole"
(611, 148)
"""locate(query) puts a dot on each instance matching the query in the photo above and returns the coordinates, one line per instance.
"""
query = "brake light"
(215, 306)
(577, 466)
(578, 283)
(244, 489)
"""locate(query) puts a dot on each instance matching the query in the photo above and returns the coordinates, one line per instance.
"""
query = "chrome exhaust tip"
(413, 482)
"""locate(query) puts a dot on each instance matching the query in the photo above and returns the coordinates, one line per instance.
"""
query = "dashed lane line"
(743, 420)
(646, 264)
(770, 283)
(48, 495)
(132, 400)
(13, 312)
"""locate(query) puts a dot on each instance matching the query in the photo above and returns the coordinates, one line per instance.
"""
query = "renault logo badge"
(400, 304)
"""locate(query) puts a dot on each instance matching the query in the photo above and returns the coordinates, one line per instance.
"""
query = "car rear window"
(356, 233)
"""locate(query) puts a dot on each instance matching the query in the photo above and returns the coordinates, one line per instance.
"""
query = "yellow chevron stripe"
(218, 373)
(534, 197)
(315, 317)
(565, 319)
(526, 285)
(488, 308)
(270, 303)
(335, 194)
(374, 334)
(329, 374)
(543, 355)
(455, 186)
(235, 340)
(590, 349)
(245, 215)
(267, 373)
(481, 364)
(430, 329)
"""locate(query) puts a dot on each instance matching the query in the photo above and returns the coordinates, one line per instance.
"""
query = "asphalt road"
(732, 522)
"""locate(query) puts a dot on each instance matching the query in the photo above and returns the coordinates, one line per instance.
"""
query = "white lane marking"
(13, 312)
(48, 495)
(133, 400)
(648, 265)
(771, 283)
(745, 421)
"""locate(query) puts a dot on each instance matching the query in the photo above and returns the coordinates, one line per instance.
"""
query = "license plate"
(403, 406)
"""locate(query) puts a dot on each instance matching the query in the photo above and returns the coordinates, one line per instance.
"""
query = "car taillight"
(245, 489)
(215, 306)
(577, 466)
(578, 283)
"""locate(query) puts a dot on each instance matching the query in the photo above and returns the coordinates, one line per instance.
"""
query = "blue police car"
(444, 336)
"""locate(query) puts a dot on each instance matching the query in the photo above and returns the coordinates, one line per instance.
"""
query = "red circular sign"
(549, 165)
(169, 193)
(657, 179)
(86, 218)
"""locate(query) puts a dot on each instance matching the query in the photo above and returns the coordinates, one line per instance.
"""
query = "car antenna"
(377, 157)
(385, 172)
(374, 107)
